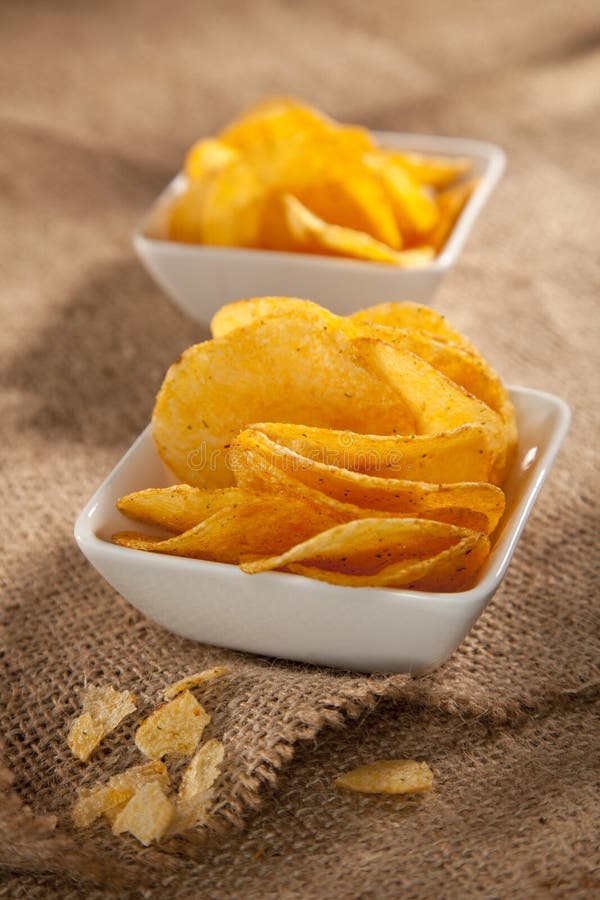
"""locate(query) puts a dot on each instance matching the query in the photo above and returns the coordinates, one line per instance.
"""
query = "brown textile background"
(99, 103)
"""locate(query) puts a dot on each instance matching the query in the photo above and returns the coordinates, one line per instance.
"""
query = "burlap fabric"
(100, 102)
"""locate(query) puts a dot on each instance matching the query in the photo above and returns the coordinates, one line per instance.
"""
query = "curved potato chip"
(415, 317)
(451, 203)
(462, 454)
(185, 221)
(475, 505)
(436, 403)
(207, 157)
(243, 312)
(437, 171)
(274, 120)
(388, 776)
(317, 236)
(232, 206)
(385, 552)
(178, 508)
(414, 208)
(259, 524)
(175, 727)
(279, 369)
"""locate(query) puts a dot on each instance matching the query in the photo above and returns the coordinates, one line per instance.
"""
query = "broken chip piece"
(104, 799)
(103, 709)
(147, 815)
(195, 790)
(174, 728)
(191, 681)
(388, 776)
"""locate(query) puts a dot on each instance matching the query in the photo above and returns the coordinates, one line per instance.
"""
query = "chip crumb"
(147, 815)
(195, 791)
(103, 709)
(175, 727)
(108, 799)
(191, 681)
(388, 776)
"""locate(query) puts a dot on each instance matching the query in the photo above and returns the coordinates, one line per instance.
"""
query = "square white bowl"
(289, 616)
(201, 278)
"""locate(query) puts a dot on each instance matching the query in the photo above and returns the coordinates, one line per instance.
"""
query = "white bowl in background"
(201, 278)
(289, 616)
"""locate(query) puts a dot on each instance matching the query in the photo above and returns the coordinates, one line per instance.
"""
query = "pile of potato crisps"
(141, 800)
(366, 450)
(285, 177)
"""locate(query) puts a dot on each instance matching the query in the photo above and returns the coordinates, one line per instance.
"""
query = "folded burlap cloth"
(86, 338)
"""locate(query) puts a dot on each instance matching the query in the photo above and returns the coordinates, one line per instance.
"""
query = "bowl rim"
(491, 156)
(91, 545)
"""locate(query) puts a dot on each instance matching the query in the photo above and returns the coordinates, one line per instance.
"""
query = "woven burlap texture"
(86, 339)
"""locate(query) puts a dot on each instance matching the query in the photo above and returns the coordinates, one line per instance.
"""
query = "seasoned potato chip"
(103, 709)
(195, 790)
(313, 234)
(474, 505)
(414, 208)
(243, 312)
(414, 317)
(385, 552)
(105, 799)
(147, 815)
(462, 454)
(191, 681)
(175, 728)
(185, 221)
(436, 171)
(207, 157)
(260, 524)
(451, 203)
(388, 776)
(436, 403)
(180, 507)
(279, 369)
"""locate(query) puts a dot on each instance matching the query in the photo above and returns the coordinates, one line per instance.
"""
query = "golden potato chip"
(384, 552)
(280, 369)
(207, 157)
(274, 120)
(414, 207)
(147, 815)
(436, 403)
(175, 728)
(180, 507)
(185, 221)
(195, 793)
(414, 317)
(388, 776)
(261, 524)
(462, 454)
(451, 203)
(474, 505)
(191, 681)
(103, 799)
(232, 205)
(244, 312)
(315, 235)
(436, 171)
(103, 709)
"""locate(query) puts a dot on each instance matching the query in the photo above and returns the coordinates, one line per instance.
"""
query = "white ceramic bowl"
(285, 615)
(201, 278)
